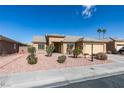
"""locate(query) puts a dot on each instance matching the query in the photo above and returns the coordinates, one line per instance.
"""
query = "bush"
(76, 52)
(61, 59)
(101, 56)
(32, 59)
(31, 50)
(50, 49)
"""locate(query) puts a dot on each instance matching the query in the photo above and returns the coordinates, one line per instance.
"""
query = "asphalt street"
(107, 82)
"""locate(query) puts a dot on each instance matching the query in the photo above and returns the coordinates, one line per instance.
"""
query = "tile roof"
(92, 39)
(10, 40)
(116, 39)
(71, 38)
(56, 35)
(39, 39)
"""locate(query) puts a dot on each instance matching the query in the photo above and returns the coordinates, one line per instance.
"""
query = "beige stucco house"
(115, 44)
(62, 43)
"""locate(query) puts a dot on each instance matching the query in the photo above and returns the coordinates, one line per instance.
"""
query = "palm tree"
(104, 31)
(99, 31)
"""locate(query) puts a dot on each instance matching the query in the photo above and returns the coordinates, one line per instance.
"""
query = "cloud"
(88, 11)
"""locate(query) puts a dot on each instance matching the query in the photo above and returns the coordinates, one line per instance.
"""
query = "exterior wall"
(0, 47)
(118, 43)
(23, 49)
(8, 47)
(112, 46)
(64, 48)
(55, 39)
(35, 44)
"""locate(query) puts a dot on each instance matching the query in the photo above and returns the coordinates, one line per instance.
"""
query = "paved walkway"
(63, 76)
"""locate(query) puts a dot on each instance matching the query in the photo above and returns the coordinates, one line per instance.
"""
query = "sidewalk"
(63, 76)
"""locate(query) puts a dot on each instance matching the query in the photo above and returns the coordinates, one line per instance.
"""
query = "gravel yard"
(17, 63)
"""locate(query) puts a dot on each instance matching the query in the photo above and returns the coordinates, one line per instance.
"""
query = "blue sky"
(23, 22)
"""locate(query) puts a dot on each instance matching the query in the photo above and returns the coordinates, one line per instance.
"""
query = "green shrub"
(32, 59)
(61, 59)
(50, 49)
(31, 50)
(101, 56)
(76, 52)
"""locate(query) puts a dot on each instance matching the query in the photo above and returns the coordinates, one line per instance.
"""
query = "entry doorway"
(57, 46)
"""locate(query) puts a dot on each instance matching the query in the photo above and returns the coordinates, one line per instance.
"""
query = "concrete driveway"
(116, 58)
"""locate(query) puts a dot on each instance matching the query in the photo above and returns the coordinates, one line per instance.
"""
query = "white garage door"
(119, 47)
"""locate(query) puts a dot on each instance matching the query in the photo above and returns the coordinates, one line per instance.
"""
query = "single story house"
(115, 44)
(9, 46)
(62, 43)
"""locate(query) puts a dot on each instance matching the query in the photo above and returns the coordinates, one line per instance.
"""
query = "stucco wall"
(112, 46)
(118, 43)
(64, 48)
(23, 49)
(55, 39)
(35, 44)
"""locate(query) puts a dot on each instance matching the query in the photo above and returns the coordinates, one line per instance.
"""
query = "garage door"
(119, 47)
(96, 48)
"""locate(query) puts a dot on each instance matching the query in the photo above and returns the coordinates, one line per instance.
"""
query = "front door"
(57, 46)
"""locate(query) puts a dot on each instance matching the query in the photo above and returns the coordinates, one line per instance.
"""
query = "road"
(107, 82)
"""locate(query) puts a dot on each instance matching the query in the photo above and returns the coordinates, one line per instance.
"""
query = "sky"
(21, 23)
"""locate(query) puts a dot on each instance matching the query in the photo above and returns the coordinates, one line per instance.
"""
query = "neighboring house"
(62, 43)
(115, 44)
(9, 46)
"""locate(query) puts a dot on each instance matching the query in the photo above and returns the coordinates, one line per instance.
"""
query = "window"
(41, 46)
(14, 46)
(70, 46)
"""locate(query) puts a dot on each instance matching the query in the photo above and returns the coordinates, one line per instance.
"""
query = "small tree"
(32, 59)
(50, 49)
(76, 52)
(31, 50)
(99, 32)
(104, 32)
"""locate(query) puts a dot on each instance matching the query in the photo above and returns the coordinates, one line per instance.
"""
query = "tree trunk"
(99, 35)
